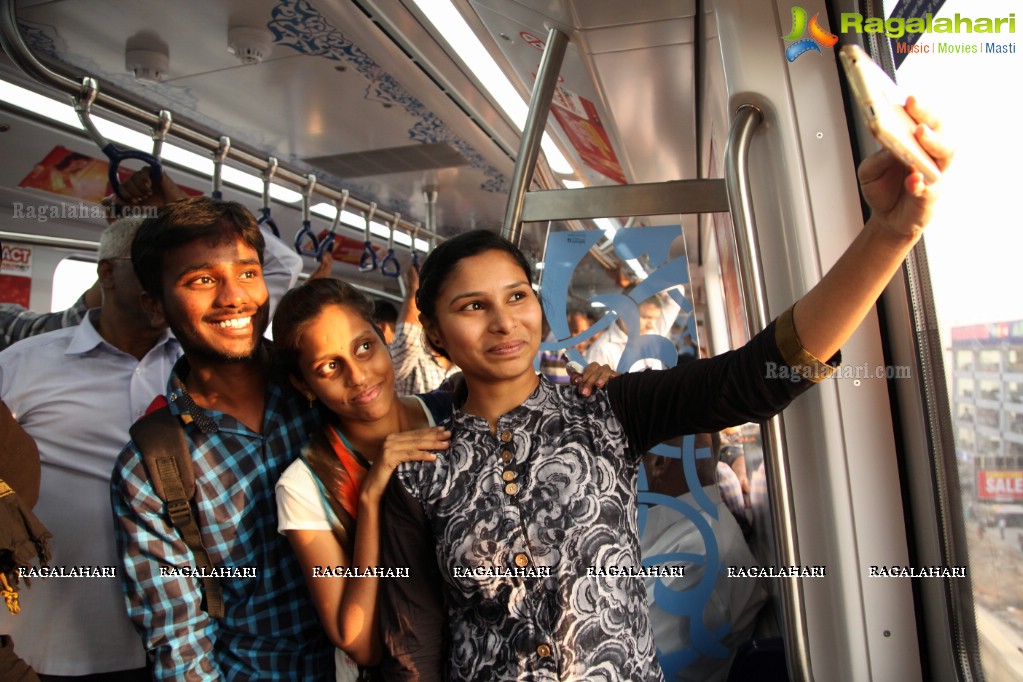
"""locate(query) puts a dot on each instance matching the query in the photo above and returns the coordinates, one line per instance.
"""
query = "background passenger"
(18, 322)
(23, 539)
(416, 368)
(385, 315)
(76, 391)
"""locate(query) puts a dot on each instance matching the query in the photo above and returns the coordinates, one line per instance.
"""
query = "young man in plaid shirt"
(200, 264)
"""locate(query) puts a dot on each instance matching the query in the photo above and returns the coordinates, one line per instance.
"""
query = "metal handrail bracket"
(655, 198)
(754, 289)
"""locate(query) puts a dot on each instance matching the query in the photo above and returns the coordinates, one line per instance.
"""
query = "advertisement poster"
(579, 119)
(71, 174)
(1000, 486)
(16, 274)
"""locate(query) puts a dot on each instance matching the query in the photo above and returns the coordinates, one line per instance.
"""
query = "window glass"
(71, 278)
(973, 248)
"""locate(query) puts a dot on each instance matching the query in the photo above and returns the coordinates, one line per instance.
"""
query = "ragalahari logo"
(819, 36)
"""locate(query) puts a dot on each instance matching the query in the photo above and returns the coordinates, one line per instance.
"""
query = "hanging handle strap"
(306, 242)
(368, 261)
(83, 106)
(264, 212)
(390, 267)
(327, 243)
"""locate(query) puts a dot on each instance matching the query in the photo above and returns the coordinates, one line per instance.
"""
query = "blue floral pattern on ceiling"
(300, 26)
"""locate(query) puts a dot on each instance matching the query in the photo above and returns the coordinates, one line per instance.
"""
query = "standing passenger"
(76, 391)
(200, 265)
(416, 368)
(517, 537)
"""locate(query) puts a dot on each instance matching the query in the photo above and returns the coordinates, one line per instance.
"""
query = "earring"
(312, 400)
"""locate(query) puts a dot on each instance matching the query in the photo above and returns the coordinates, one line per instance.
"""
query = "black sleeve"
(412, 609)
(751, 384)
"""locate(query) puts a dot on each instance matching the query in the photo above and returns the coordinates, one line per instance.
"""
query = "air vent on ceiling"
(410, 158)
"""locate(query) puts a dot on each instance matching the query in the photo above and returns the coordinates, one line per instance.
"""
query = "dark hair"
(443, 260)
(183, 222)
(301, 304)
(384, 311)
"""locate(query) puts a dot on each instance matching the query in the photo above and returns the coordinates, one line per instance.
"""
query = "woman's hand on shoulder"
(407, 446)
(586, 379)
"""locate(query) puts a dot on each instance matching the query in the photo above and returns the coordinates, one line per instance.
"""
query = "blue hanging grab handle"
(264, 212)
(306, 243)
(327, 243)
(368, 260)
(83, 106)
(218, 166)
(390, 267)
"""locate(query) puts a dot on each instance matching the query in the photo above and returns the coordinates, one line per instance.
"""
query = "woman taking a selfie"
(517, 538)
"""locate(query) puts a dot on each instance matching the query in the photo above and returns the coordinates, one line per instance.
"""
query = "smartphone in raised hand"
(881, 104)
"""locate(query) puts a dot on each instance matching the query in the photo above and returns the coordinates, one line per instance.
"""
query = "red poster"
(72, 174)
(579, 119)
(16, 274)
(346, 249)
(1000, 486)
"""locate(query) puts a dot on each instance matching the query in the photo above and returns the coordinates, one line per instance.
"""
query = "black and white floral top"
(523, 543)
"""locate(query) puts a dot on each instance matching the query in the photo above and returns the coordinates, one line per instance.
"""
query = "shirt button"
(521, 560)
(506, 436)
(508, 475)
(511, 489)
(543, 651)
(506, 456)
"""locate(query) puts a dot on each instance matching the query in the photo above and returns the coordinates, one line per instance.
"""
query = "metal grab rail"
(14, 46)
(754, 289)
(532, 132)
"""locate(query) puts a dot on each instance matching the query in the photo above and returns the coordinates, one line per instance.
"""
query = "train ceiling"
(365, 93)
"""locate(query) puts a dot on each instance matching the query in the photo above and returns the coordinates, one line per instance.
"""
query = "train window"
(71, 278)
(981, 331)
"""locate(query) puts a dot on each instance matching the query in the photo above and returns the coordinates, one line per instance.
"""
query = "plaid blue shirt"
(270, 630)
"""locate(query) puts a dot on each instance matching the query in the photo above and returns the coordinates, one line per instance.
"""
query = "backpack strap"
(168, 462)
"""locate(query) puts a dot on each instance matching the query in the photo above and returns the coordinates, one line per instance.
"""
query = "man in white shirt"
(76, 391)
(656, 315)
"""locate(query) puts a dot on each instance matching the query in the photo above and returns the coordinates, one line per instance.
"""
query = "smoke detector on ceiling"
(250, 45)
(147, 65)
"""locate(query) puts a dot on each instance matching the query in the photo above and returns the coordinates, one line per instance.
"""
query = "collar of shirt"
(541, 398)
(86, 338)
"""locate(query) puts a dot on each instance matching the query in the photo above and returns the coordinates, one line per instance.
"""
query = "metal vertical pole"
(783, 513)
(532, 134)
